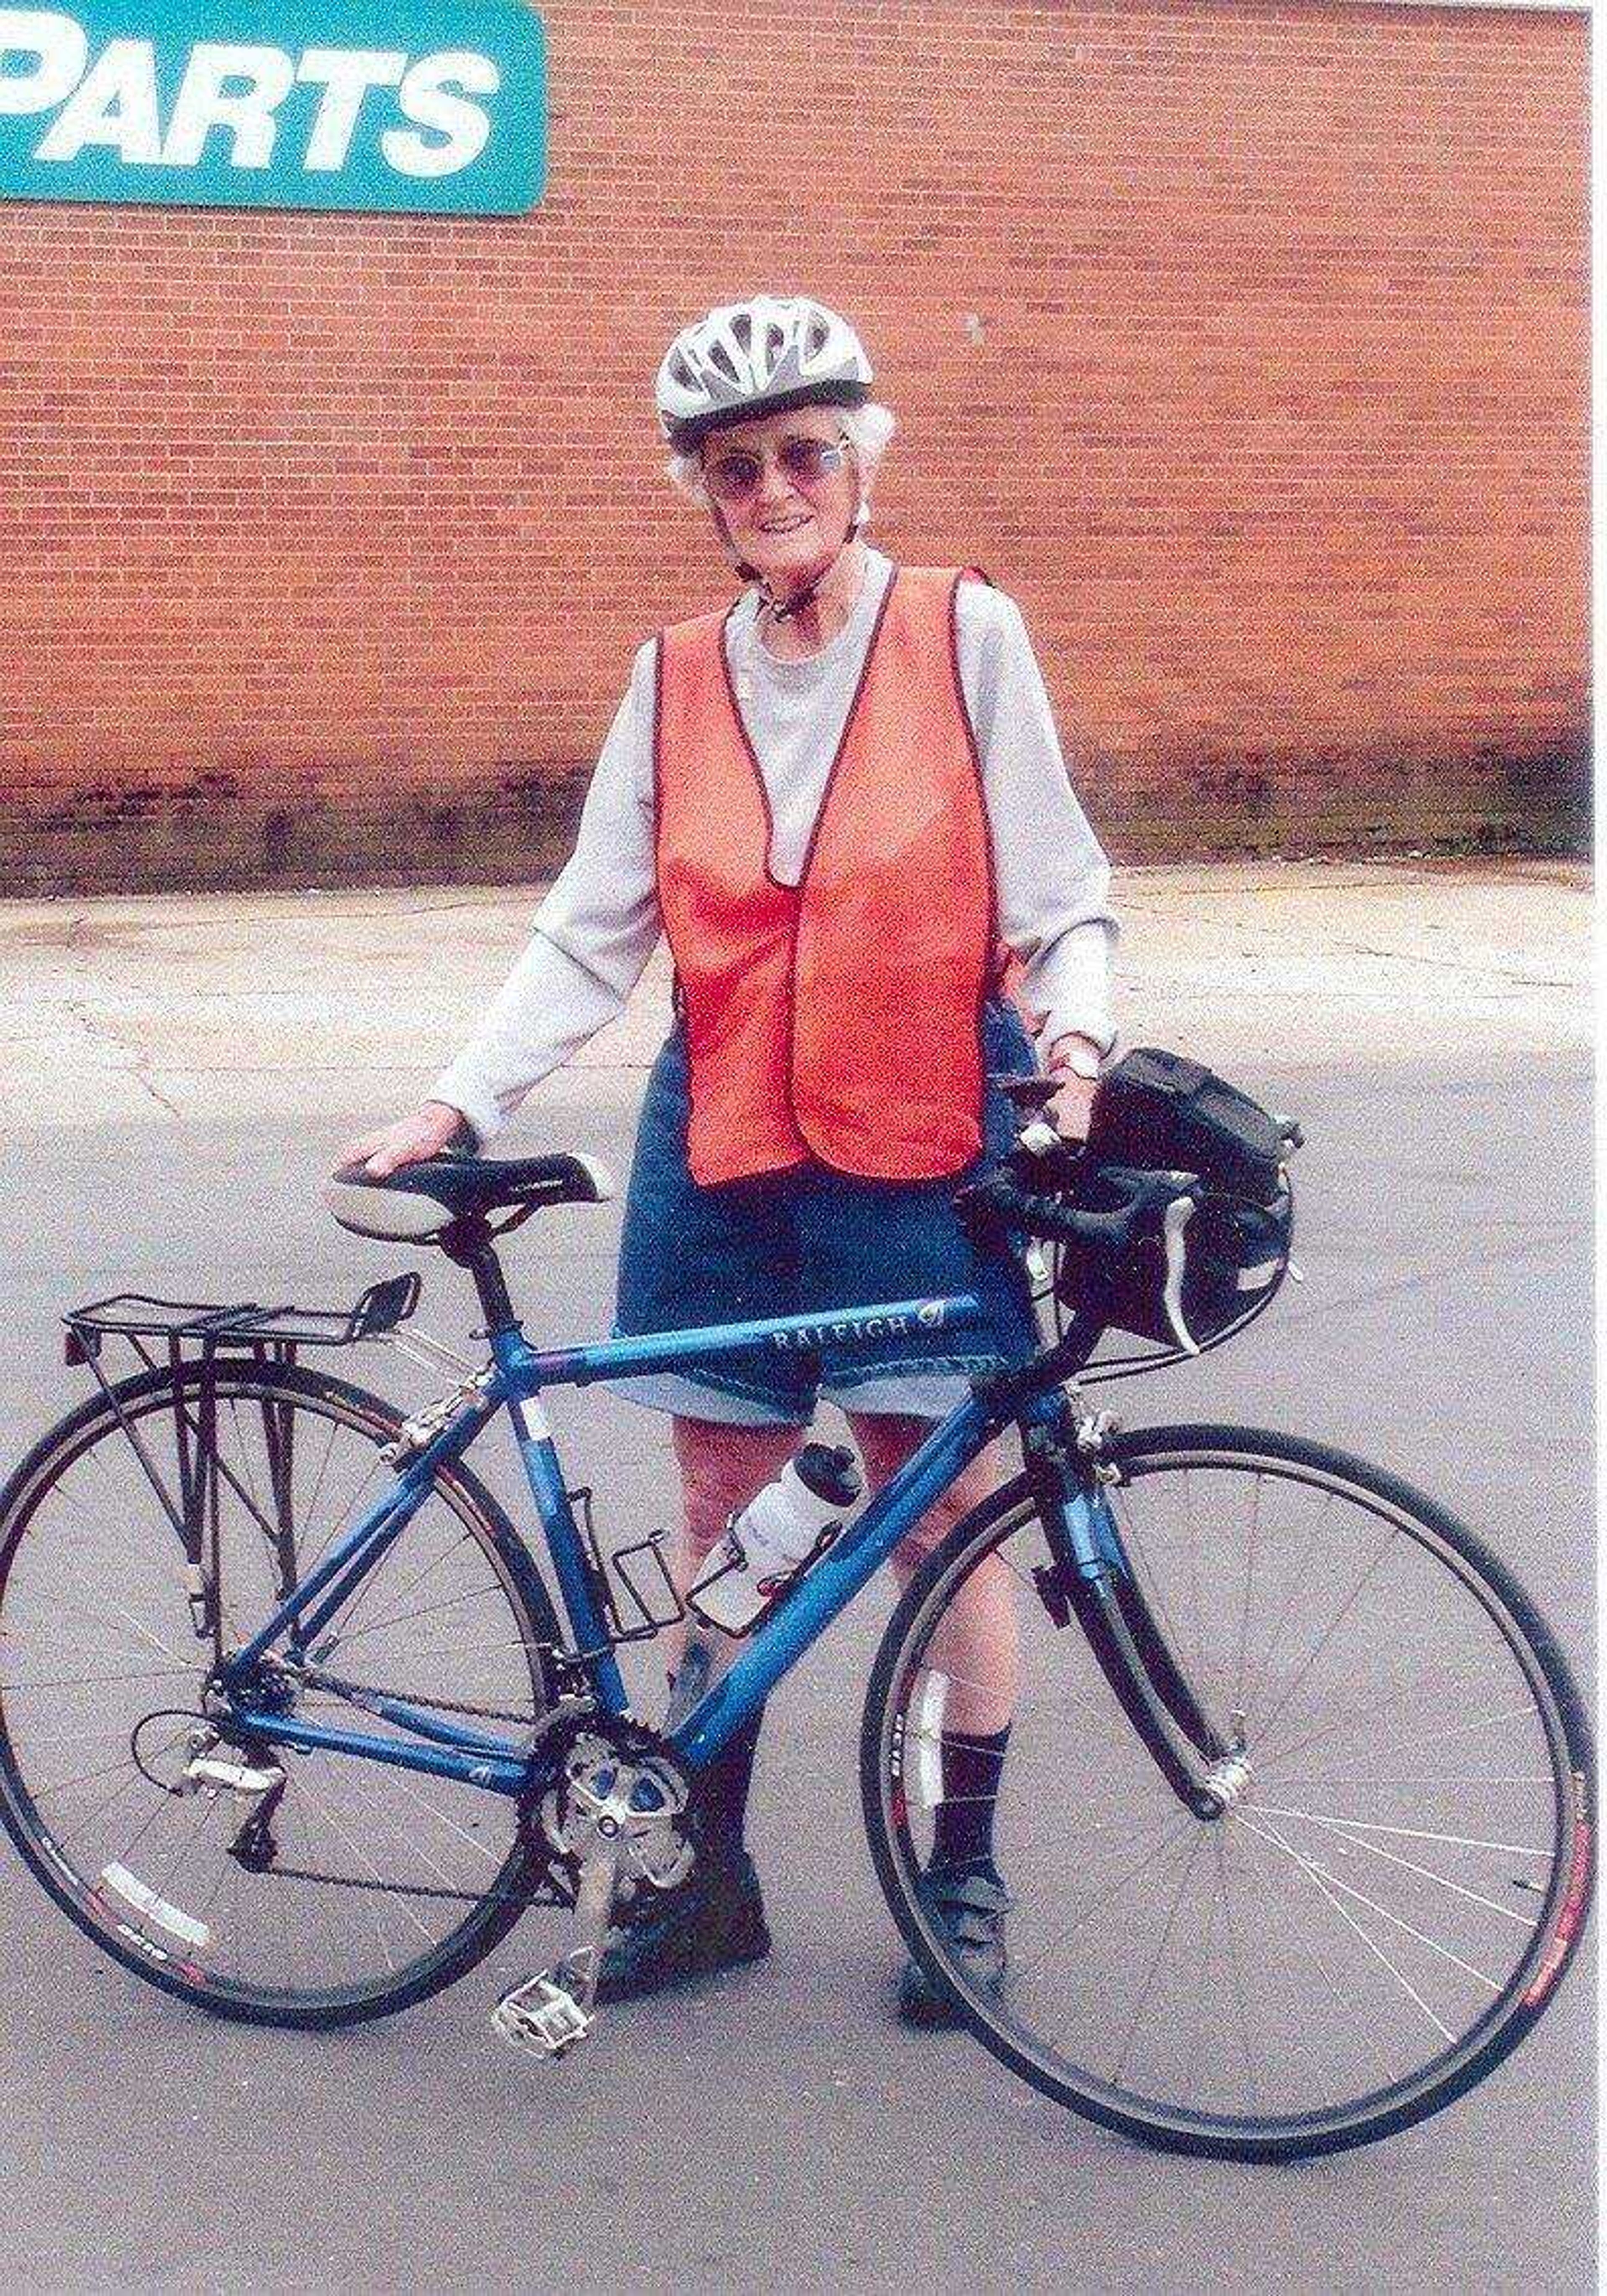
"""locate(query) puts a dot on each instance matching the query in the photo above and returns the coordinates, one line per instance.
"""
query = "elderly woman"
(844, 803)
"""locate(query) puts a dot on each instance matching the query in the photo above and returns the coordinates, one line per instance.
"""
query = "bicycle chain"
(413, 1889)
(541, 1893)
(365, 1691)
(541, 1724)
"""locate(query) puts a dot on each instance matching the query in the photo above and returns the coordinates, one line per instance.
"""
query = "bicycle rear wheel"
(1383, 1912)
(374, 1886)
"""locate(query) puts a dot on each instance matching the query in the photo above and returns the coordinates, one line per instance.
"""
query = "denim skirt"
(804, 1242)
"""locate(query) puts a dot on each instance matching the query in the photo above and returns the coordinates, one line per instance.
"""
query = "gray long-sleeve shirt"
(599, 925)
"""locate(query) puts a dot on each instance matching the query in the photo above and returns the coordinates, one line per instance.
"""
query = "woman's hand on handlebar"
(1072, 1106)
(408, 1141)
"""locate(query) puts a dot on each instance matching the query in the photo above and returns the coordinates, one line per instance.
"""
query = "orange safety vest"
(838, 1018)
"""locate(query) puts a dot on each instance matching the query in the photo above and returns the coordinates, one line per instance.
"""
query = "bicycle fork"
(1090, 1578)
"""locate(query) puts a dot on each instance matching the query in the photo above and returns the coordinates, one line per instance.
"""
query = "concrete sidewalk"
(171, 1008)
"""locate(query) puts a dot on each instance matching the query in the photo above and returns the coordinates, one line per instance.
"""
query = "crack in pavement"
(320, 917)
(98, 1032)
(1424, 1280)
(1454, 965)
(1268, 938)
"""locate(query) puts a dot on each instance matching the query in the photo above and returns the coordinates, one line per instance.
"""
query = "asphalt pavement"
(175, 1081)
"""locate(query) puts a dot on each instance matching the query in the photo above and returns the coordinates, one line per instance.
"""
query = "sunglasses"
(730, 477)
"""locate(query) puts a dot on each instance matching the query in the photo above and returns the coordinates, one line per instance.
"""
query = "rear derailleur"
(204, 1761)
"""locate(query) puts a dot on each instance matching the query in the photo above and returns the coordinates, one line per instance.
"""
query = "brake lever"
(983, 1208)
(1046, 1158)
(1178, 1213)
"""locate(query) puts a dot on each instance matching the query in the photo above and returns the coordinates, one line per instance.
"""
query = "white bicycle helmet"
(758, 358)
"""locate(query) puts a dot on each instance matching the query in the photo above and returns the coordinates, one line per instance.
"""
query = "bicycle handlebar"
(1000, 1201)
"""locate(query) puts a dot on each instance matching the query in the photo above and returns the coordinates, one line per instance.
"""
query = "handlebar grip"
(1001, 1201)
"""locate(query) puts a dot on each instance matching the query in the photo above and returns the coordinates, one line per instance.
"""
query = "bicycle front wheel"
(364, 1887)
(1386, 1906)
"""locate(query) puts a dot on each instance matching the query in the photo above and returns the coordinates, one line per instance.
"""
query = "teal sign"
(433, 107)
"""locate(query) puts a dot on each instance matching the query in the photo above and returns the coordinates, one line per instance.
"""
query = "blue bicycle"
(1297, 1815)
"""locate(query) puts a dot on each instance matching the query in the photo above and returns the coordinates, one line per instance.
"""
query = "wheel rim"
(1376, 1917)
(379, 1876)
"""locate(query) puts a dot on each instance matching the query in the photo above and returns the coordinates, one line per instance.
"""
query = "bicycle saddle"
(418, 1204)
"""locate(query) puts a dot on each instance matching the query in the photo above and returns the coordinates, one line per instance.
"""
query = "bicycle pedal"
(540, 2019)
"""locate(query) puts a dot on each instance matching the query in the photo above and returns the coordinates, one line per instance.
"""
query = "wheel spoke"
(82, 1681)
(1340, 1949)
(1486, 1722)
(1329, 1882)
(1358, 1839)
(1295, 1682)
(1158, 1959)
(1118, 1887)
(403, 1618)
(1241, 1658)
(330, 1892)
(1414, 1832)
(1241, 2010)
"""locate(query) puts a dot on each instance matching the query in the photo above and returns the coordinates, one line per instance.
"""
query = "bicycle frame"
(1094, 1581)
(516, 1378)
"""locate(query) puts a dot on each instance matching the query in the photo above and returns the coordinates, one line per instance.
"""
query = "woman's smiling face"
(787, 525)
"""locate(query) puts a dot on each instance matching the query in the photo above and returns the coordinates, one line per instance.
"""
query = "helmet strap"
(783, 610)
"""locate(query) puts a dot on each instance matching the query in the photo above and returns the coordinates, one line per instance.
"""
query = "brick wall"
(1245, 344)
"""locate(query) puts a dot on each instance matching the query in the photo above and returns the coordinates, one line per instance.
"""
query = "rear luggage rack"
(275, 1332)
(198, 1340)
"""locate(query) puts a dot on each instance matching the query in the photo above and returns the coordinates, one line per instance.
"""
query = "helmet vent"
(771, 352)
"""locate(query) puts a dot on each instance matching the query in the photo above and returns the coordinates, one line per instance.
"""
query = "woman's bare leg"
(722, 1466)
(978, 1644)
(715, 1919)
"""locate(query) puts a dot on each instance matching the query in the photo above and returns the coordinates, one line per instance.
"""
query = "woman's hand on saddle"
(408, 1141)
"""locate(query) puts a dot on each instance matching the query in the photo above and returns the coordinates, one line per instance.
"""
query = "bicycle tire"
(134, 1558)
(1532, 1761)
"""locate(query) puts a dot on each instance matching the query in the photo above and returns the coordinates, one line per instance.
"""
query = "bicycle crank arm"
(549, 2012)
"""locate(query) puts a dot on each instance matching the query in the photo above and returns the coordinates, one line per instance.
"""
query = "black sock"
(963, 1821)
(723, 1790)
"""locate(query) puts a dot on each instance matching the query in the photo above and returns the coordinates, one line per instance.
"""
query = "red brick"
(1277, 427)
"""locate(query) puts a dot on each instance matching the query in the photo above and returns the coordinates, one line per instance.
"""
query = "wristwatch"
(1077, 1056)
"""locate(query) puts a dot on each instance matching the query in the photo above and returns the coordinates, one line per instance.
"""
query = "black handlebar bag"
(1235, 1256)
(1158, 1111)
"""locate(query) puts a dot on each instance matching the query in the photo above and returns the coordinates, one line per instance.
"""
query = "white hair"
(869, 431)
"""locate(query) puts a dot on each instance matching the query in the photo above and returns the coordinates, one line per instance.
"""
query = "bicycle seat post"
(469, 1244)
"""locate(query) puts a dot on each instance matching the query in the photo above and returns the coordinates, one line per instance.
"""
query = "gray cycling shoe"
(715, 1921)
(966, 1905)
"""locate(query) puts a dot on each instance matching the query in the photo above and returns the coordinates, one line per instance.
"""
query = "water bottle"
(771, 1542)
